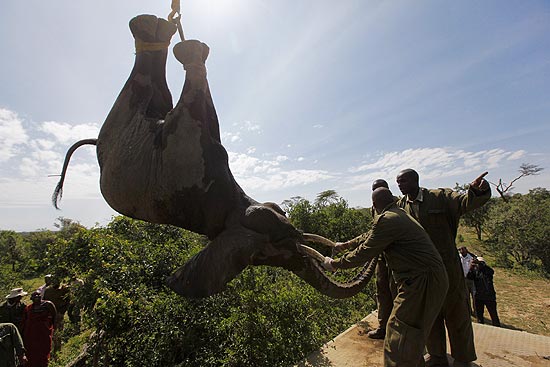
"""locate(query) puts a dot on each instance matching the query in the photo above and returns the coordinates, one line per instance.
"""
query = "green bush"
(266, 317)
(519, 230)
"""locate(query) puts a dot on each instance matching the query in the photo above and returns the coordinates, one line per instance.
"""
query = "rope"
(176, 20)
(175, 10)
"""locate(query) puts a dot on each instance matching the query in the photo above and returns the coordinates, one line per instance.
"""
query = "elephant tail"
(58, 192)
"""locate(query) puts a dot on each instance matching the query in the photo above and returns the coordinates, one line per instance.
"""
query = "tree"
(10, 248)
(519, 228)
(330, 216)
(525, 169)
(266, 316)
(326, 197)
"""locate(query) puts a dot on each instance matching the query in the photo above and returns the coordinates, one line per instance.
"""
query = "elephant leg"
(196, 95)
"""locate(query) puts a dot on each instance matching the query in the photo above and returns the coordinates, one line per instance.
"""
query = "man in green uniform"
(385, 286)
(439, 211)
(12, 352)
(58, 294)
(417, 269)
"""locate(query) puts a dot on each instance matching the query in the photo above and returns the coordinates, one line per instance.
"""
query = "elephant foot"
(150, 32)
(192, 53)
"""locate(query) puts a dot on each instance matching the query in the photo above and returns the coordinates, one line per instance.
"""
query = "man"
(439, 211)
(47, 282)
(466, 258)
(11, 311)
(73, 310)
(417, 269)
(38, 326)
(482, 275)
(59, 295)
(12, 352)
(386, 288)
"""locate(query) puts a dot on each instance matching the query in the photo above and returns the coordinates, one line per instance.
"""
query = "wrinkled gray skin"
(167, 165)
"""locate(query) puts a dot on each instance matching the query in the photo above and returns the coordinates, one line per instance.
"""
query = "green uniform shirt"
(439, 211)
(406, 245)
(11, 345)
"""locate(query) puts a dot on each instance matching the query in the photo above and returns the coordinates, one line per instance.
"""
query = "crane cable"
(176, 19)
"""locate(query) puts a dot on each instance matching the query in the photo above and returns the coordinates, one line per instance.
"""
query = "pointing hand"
(479, 183)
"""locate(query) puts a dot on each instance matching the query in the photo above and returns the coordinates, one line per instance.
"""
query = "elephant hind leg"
(152, 36)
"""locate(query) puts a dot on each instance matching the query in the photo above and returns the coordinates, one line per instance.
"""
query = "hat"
(480, 259)
(16, 292)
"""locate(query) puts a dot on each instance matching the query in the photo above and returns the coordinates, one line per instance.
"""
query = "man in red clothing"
(38, 325)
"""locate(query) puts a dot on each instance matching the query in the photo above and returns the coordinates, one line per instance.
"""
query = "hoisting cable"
(176, 20)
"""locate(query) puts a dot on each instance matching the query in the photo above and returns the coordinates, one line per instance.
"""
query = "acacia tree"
(504, 189)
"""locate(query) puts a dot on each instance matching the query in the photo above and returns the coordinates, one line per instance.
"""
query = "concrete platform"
(495, 347)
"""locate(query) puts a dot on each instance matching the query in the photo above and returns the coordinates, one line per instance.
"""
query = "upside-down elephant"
(167, 165)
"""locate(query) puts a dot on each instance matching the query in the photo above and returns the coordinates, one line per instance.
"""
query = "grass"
(523, 297)
(70, 350)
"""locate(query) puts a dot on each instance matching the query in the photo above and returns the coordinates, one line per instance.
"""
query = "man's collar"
(387, 207)
(419, 197)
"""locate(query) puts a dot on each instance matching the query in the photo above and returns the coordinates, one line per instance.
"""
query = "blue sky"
(311, 95)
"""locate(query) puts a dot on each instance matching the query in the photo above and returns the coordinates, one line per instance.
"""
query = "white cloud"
(269, 174)
(67, 133)
(33, 157)
(231, 137)
(12, 134)
(431, 158)
(247, 126)
(431, 163)
(29, 167)
(250, 126)
(516, 155)
(284, 179)
(318, 126)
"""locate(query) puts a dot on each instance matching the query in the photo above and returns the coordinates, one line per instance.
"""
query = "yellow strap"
(151, 46)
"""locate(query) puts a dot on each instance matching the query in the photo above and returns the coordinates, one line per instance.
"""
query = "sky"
(311, 95)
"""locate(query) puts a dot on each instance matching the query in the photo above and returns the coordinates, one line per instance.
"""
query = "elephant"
(167, 165)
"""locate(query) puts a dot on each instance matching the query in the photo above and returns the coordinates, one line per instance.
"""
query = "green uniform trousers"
(386, 290)
(416, 306)
(455, 314)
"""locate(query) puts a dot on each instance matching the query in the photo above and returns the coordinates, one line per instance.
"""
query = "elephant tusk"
(311, 252)
(315, 238)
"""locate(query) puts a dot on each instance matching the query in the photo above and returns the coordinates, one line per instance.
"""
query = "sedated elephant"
(167, 165)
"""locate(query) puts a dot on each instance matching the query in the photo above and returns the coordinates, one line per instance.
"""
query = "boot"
(435, 361)
(377, 333)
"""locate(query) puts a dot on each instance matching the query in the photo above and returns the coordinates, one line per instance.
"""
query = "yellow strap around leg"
(151, 46)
